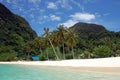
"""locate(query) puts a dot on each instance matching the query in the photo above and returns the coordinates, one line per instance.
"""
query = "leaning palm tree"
(47, 41)
(56, 42)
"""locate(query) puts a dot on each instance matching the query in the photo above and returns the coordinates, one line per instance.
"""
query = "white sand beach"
(98, 62)
(105, 65)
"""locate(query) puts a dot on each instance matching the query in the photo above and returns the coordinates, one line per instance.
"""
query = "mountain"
(15, 31)
(13, 24)
(87, 28)
(91, 31)
(92, 35)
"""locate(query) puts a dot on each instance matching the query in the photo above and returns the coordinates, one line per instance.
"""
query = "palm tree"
(56, 42)
(39, 43)
(47, 41)
(61, 37)
(28, 51)
(71, 41)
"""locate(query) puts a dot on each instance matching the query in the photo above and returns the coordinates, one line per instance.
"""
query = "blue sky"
(51, 13)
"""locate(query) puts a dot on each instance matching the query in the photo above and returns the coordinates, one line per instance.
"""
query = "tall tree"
(71, 41)
(38, 41)
(28, 50)
(56, 42)
(61, 30)
(47, 41)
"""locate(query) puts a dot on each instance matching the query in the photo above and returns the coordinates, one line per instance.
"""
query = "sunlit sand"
(109, 65)
(99, 62)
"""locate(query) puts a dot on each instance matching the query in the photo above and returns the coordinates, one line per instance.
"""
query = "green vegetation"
(102, 51)
(67, 43)
(19, 42)
(15, 32)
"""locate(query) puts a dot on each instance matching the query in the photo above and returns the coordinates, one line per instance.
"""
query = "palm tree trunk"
(73, 53)
(40, 50)
(54, 49)
(28, 57)
(63, 51)
(47, 53)
(58, 51)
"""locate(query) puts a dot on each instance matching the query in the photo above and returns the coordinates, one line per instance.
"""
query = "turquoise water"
(22, 72)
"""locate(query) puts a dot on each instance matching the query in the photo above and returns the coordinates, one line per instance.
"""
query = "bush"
(42, 57)
(8, 56)
(87, 54)
(7, 53)
(118, 52)
(102, 51)
(69, 56)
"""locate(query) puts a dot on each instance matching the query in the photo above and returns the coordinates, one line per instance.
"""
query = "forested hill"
(86, 28)
(14, 31)
(13, 24)
(93, 31)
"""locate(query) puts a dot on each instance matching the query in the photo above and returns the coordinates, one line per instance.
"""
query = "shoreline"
(98, 62)
(100, 65)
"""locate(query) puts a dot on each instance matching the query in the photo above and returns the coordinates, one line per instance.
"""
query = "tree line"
(65, 43)
(61, 44)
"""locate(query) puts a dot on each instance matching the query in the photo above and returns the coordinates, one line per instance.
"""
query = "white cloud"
(83, 16)
(89, 1)
(32, 15)
(51, 5)
(97, 15)
(8, 1)
(77, 17)
(34, 1)
(69, 23)
(55, 18)
(45, 17)
(64, 4)
(78, 4)
(106, 14)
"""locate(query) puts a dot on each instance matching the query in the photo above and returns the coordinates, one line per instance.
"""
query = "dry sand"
(99, 62)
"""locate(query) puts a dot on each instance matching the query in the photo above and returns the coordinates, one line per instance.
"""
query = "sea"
(25, 72)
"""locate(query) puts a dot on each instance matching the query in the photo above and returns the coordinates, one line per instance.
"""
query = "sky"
(52, 13)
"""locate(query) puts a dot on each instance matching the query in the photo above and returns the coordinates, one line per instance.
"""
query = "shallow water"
(24, 72)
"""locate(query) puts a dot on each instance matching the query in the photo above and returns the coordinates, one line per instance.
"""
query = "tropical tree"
(71, 41)
(28, 51)
(56, 42)
(38, 41)
(61, 36)
(48, 41)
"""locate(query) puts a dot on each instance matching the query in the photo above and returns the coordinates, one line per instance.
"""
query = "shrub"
(8, 56)
(69, 56)
(118, 52)
(42, 57)
(86, 54)
(102, 51)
